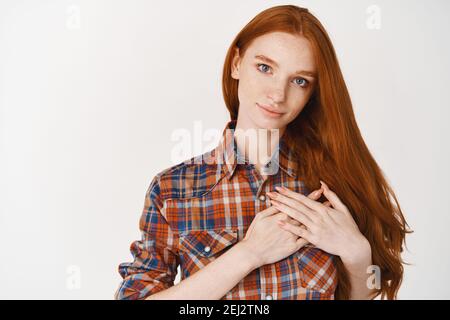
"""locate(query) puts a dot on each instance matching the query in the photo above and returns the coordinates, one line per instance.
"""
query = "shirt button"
(262, 197)
(268, 297)
(207, 249)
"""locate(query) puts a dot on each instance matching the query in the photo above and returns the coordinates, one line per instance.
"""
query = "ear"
(235, 64)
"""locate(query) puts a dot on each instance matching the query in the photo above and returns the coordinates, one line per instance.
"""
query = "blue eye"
(262, 64)
(305, 82)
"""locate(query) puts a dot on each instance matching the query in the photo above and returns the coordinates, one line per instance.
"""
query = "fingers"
(295, 214)
(315, 194)
(301, 243)
(333, 198)
(294, 222)
(291, 202)
(304, 200)
(288, 219)
(299, 231)
(263, 213)
(267, 212)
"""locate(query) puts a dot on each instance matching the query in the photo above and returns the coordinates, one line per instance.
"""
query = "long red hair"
(327, 139)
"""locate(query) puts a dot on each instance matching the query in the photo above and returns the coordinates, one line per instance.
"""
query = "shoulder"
(191, 178)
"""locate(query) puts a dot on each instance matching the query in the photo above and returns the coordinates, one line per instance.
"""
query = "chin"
(268, 123)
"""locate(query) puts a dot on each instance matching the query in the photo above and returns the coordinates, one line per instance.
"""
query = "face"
(277, 76)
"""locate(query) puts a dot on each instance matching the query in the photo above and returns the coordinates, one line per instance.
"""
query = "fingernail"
(272, 194)
(278, 188)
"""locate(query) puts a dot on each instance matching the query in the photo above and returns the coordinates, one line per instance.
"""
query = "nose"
(277, 94)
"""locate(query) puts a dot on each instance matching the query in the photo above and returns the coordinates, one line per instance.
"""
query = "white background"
(92, 91)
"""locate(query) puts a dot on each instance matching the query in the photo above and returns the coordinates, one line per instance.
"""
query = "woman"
(238, 224)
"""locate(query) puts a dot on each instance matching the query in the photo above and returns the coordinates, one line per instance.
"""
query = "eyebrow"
(302, 72)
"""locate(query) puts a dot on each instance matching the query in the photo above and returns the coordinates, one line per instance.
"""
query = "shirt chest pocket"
(200, 247)
(317, 270)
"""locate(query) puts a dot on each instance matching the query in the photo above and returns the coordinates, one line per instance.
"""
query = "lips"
(269, 109)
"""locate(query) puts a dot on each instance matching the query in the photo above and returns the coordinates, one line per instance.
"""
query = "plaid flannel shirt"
(196, 210)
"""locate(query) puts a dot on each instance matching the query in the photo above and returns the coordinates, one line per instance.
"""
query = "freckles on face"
(276, 78)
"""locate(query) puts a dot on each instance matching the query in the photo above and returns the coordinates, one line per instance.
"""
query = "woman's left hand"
(331, 229)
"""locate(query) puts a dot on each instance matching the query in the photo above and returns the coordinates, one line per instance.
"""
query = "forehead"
(288, 50)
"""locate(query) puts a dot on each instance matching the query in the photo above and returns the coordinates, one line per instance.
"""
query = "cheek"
(298, 104)
(250, 90)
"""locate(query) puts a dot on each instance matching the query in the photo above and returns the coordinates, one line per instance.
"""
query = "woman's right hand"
(266, 242)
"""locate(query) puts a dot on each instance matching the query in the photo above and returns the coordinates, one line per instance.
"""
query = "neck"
(257, 144)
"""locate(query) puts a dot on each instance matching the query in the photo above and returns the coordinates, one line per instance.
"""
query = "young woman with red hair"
(245, 231)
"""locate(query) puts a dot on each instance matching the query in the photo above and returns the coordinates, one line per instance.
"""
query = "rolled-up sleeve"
(155, 256)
